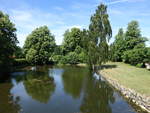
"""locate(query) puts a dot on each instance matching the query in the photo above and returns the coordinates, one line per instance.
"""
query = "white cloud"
(121, 1)
(28, 20)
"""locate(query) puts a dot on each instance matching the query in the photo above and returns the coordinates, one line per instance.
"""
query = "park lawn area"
(129, 76)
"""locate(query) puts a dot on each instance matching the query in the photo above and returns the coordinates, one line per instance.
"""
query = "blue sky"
(60, 15)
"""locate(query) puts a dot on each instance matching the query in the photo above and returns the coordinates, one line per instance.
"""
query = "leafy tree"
(133, 37)
(118, 46)
(71, 58)
(72, 39)
(99, 34)
(8, 41)
(18, 53)
(72, 47)
(129, 46)
(39, 46)
(135, 50)
(135, 56)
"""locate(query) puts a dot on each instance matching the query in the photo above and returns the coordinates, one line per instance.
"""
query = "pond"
(68, 89)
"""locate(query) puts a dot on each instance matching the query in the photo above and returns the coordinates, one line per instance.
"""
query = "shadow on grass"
(107, 67)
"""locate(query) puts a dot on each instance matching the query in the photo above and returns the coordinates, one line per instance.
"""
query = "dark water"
(59, 90)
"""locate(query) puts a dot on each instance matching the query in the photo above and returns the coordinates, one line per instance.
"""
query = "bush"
(20, 62)
(72, 58)
(82, 57)
(140, 65)
(57, 58)
(135, 56)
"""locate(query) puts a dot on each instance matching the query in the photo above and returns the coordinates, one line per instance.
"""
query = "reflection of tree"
(8, 104)
(97, 97)
(39, 85)
(73, 79)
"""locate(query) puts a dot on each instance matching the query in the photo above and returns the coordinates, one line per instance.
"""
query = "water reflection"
(39, 87)
(97, 97)
(8, 103)
(38, 84)
(59, 90)
(73, 80)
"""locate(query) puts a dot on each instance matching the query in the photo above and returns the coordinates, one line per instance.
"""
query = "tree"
(135, 56)
(118, 46)
(135, 49)
(39, 46)
(18, 52)
(99, 34)
(129, 46)
(133, 37)
(72, 39)
(8, 41)
(72, 47)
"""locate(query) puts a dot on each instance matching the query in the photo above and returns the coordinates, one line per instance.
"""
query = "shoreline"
(138, 99)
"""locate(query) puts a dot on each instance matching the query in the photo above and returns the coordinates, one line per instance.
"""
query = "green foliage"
(20, 62)
(130, 46)
(82, 57)
(99, 34)
(39, 46)
(72, 39)
(118, 47)
(72, 48)
(139, 65)
(133, 37)
(8, 41)
(18, 53)
(147, 59)
(57, 59)
(135, 56)
(71, 58)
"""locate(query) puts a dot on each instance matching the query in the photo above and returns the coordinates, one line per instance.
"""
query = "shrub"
(135, 56)
(140, 65)
(20, 62)
(57, 58)
(82, 57)
(71, 58)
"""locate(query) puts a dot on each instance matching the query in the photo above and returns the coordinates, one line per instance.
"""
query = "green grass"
(131, 77)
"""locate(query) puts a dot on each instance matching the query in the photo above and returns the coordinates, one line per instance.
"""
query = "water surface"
(59, 90)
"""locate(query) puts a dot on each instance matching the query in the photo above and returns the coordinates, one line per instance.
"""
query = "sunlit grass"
(129, 76)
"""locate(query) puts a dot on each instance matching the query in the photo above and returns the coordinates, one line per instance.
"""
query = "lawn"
(129, 76)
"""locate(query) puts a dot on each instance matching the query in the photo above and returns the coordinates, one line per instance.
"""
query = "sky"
(60, 15)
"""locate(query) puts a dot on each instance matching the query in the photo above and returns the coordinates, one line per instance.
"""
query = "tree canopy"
(100, 33)
(8, 40)
(39, 45)
(130, 46)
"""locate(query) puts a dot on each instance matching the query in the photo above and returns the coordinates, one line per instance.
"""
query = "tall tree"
(133, 37)
(39, 46)
(100, 33)
(118, 46)
(8, 40)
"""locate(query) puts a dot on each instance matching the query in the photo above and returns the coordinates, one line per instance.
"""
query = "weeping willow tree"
(100, 33)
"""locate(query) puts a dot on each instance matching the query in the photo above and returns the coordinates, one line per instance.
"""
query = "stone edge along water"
(140, 100)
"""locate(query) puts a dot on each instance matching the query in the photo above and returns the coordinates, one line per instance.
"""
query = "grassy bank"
(132, 77)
